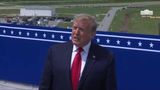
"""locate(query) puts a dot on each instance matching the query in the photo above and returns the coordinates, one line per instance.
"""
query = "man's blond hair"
(87, 17)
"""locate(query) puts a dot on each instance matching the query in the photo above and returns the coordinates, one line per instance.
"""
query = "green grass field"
(137, 23)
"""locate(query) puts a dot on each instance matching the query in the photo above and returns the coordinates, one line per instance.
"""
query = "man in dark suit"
(95, 69)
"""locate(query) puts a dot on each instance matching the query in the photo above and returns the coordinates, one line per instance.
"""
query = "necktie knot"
(80, 50)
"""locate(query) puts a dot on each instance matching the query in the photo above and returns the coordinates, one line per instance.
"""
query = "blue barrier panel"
(23, 50)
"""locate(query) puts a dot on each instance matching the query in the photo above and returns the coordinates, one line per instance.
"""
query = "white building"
(36, 11)
(146, 12)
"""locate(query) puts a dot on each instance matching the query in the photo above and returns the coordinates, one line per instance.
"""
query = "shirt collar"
(85, 48)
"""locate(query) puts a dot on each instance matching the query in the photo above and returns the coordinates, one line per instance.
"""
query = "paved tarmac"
(107, 21)
(7, 85)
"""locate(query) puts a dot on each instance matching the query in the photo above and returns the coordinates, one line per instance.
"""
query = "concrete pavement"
(7, 85)
(106, 22)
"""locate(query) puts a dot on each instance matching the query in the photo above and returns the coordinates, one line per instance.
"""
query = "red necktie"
(76, 68)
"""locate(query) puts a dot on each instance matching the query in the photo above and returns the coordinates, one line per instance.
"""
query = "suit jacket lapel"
(89, 64)
(68, 52)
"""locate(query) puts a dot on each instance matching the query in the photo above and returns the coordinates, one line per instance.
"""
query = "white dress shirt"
(84, 55)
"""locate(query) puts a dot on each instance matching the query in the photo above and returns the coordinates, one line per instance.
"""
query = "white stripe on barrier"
(57, 41)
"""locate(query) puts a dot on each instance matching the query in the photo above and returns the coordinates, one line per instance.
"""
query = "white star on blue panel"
(4, 31)
(61, 36)
(44, 35)
(53, 36)
(35, 34)
(151, 45)
(20, 33)
(108, 41)
(12, 32)
(98, 40)
(128, 43)
(28, 33)
(139, 44)
(118, 42)
(70, 37)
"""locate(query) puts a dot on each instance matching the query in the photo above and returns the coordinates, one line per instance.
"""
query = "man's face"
(82, 32)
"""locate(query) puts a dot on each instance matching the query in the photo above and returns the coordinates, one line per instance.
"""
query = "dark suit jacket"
(98, 74)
